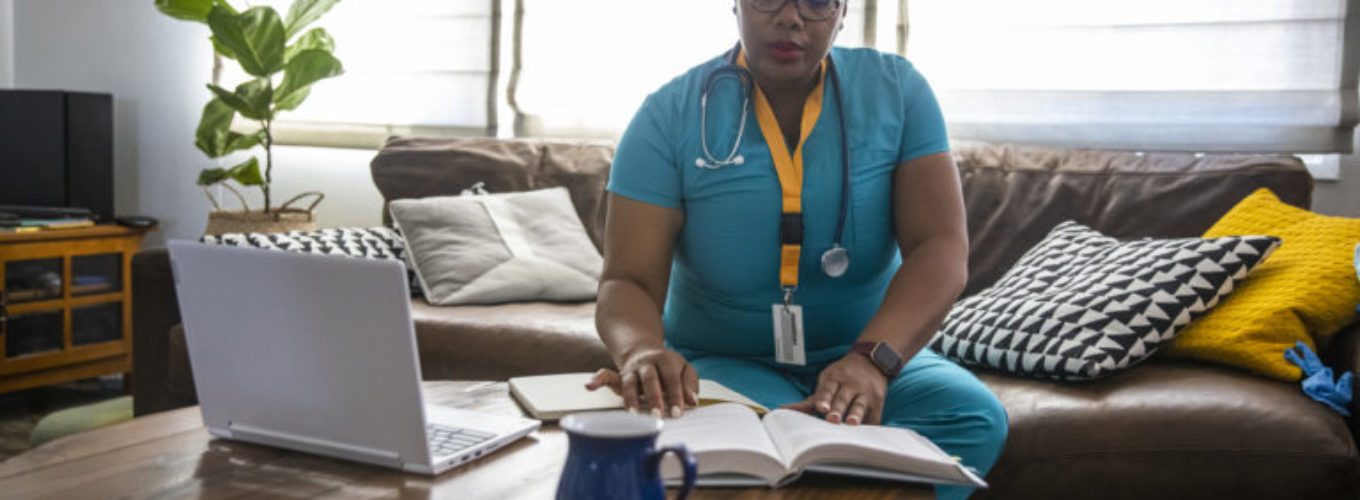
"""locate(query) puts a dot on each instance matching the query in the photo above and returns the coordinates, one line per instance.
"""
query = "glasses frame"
(799, 4)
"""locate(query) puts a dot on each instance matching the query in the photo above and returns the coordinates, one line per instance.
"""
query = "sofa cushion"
(380, 242)
(1081, 305)
(419, 168)
(1169, 430)
(499, 248)
(501, 341)
(1015, 194)
(1305, 293)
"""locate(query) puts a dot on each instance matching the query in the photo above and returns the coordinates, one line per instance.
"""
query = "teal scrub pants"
(932, 396)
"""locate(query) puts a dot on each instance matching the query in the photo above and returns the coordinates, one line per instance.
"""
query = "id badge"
(788, 334)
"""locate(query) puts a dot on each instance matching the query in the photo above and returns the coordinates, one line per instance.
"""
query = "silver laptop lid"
(316, 351)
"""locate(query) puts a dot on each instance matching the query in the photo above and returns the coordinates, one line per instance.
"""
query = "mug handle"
(687, 461)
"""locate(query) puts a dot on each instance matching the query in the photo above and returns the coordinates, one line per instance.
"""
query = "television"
(56, 150)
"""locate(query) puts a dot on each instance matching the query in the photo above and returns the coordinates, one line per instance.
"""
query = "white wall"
(156, 68)
(6, 44)
(1341, 197)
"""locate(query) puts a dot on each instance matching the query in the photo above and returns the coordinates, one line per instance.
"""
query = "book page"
(711, 392)
(804, 440)
(725, 439)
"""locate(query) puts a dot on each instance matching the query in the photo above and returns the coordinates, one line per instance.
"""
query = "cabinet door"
(97, 323)
(33, 333)
(96, 274)
(32, 280)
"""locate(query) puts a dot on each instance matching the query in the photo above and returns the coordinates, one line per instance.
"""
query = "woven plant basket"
(278, 220)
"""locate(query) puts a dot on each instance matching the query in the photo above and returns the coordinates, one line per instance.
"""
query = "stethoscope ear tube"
(836, 261)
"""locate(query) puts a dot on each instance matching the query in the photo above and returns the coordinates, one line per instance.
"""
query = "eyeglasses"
(809, 10)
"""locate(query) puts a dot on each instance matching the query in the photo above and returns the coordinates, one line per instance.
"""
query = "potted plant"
(283, 62)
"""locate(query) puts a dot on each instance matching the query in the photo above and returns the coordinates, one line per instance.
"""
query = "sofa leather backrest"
(1016, 194)
(423, 167)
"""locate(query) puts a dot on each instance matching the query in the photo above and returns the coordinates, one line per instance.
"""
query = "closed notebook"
(551, 397)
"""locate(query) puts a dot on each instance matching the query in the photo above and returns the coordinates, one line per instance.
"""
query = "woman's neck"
(787, 100)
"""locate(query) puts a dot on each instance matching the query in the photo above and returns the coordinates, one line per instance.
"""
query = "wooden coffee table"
(171, 454)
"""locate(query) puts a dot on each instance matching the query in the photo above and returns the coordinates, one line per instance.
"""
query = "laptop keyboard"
(445, 440)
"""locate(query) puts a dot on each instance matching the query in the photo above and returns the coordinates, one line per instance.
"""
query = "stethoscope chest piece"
(835, 261)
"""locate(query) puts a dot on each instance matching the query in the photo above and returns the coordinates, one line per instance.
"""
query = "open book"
(735, 447)
(551, 397)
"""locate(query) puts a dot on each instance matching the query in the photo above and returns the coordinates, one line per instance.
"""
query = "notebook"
(551, 397)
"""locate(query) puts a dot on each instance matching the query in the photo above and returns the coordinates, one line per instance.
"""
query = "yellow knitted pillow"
(1305, 291)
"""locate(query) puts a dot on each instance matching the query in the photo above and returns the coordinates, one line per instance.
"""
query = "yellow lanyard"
(789, 168)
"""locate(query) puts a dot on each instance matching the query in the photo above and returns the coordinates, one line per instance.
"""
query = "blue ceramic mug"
(613, 455)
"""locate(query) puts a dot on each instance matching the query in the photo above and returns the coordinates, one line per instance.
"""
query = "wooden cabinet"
(65, 304)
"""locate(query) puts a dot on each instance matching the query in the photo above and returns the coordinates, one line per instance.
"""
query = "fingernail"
(675, 412)
(656, 412)
(852, 421)
(632, 410)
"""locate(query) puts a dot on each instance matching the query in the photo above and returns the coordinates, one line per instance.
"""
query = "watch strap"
(867, 348)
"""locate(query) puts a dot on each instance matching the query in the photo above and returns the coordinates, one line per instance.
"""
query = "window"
(588, 65)
(1190, 75)
(412, 67)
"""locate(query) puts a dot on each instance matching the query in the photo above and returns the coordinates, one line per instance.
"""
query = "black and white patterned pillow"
(1081, 305)
(368, 242)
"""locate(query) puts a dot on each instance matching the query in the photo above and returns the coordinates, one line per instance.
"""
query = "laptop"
(317, 354)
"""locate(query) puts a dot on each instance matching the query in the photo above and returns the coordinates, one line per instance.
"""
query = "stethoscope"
(834, 261)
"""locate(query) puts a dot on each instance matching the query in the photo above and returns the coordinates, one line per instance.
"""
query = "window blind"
(412, 67)
(1177, 75)
(586, 66)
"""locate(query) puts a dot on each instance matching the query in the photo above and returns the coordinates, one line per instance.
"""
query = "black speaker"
(56, 150)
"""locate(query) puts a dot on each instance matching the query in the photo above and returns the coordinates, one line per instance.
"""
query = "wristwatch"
(881, 355)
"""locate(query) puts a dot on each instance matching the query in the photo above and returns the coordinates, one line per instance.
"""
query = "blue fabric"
(931, 396)
(1317, 379)
(725, 269)
(725, 272)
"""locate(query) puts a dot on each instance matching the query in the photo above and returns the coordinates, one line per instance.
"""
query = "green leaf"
(214, 136)
(210, 176)
(304, 12)
(222, 50)
(247, 173)
(230, 98)
(225, 5)
(251, 99)
(255, 37)
(188, 10)
(211, 136)
(308, 67)
(316, 38)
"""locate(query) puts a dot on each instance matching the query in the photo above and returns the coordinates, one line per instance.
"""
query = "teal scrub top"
(725, 269)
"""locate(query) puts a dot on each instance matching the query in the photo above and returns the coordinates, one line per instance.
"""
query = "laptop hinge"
(315, 445)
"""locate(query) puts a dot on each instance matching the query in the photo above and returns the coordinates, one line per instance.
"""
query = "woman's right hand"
(658, 380)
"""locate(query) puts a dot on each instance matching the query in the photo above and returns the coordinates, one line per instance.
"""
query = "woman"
(733, 242)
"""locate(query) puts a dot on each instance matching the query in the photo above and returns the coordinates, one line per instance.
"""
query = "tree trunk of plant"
(268, 162)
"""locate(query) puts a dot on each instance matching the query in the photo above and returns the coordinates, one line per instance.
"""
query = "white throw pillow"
(496, 248)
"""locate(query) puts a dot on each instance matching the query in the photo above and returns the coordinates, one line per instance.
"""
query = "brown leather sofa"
(1164, 429)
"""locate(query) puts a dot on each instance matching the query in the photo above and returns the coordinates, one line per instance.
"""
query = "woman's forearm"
(931, 277)
(628, 319)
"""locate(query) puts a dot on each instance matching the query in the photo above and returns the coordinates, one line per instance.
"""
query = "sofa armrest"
(1343, 354)
(154, 312)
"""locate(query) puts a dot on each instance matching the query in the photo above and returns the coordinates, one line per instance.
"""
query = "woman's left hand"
(851, 390)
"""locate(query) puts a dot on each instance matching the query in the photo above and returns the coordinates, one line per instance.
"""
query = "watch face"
(885, 358)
